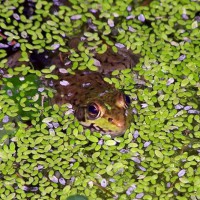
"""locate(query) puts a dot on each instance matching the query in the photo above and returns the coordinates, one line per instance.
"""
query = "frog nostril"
(110, 119)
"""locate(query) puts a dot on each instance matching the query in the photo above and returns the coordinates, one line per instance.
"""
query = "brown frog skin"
(97, 104)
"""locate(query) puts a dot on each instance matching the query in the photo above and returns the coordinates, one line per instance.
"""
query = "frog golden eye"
(93, 111)
(127, 100)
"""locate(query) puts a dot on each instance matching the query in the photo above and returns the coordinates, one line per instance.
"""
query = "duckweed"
(46, 154)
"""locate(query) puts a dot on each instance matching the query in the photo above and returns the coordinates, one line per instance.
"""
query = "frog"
(97, 104)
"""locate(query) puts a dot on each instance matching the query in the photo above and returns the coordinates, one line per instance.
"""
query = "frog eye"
(127, 100)
(93, 111)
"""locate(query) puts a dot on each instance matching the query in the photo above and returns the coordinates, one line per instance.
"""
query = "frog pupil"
(93, 110)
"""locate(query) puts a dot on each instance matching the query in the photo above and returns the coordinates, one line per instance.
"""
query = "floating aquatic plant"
(46, 154)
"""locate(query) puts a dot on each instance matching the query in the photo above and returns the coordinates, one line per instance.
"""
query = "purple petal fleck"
(170, 81)
(112, 180)
(182, 57)
(146, 144)
(187, 107)
(63, 70)
(25, 188)
(111, 23)
(131, 189)
(16, 45)
(129, 8)
(34, 189)
(55, 46)
(100, 142)
(197, 18)
(135, 159)
(131, 29)
(21, 78)
(40, 167)
(181, 173)
(93, 10)
(178, 106)
(194, 111)
(124, 151)
(54, 179)
(140, 195)
(55, 124)
(134, 111)
(64, 83)
(97, 62)
(9, 93)
(141, 18)
(135, 134)
(3, 45)
(5, 119)
(168, 185)
(119, 45)
(104, 183)
(72, 179)
(185, 17)
(75, 17)
(62, 181)
(40, 89)
(142, 168)
(68, 62)
(144, 105)
(16, 16)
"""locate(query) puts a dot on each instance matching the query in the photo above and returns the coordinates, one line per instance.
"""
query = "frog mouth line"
(94, 127)
(97, 128)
